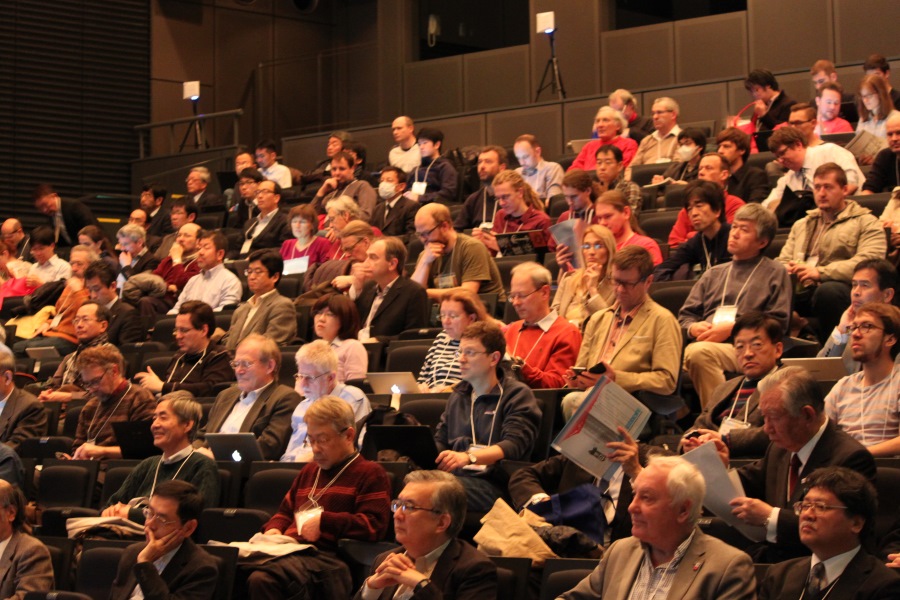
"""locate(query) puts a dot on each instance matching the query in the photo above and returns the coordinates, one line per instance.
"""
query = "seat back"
(61, 551)
(113, 480)
(70, 484)
(41, 448)
(97, 571)
(226, 557)
(512, 577)
(266, 489)
(427, 412)
(230, 524)
(406, 358)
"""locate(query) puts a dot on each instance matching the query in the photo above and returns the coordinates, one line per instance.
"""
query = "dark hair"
(189, 499)
(852, 490)
(500, 151)
(886, 271)
(431, 134)
(787, 136)
(251, 173)
(634, 257)
(885, 104)
(359, 149)
(103, 313)
(156, 188)
(218, 239)
(190, 208)
(43, 235)
(41, 190)
(762, 78)
(344, 156)
(582, 181)
(707, 192)
(877, 61)
(394, 248)
(759, 320)
(276, 189)
(98, 237)
(489, 334)
(889, 316)
(12, 497)
(400, 173)
(270, 259)
(103, 271)
(740, 139)
(344, 309)
(307, 212)
(266, 144)
(831, 85)
(201, 314)
(809, 109)
(840, 176)
(695, 135)
(610, 149)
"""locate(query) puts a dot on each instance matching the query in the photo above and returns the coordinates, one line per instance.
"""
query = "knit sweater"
(441, 367)
(547, 354)
(198, 373)
(356, 506)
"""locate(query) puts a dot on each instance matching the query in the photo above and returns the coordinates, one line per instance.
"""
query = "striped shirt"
(653, 583)
(870, 414)
(441, 366)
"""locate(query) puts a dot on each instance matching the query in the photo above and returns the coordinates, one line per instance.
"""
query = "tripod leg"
(557, 80)
(548, 75)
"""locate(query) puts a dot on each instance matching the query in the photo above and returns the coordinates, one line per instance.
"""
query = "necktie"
(804, 173)
(816, 582)
(794, 476)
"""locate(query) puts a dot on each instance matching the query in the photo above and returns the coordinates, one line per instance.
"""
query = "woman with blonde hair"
(459, 309)
(584, 291)
(520, 210)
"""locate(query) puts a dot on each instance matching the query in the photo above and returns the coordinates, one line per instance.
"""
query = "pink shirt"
(644, 242)
(587, 158)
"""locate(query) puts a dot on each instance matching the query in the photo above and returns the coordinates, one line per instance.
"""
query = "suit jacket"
(461, 572)
(276, 318)
(161, 224)
(273, 234)
(558, 474)
(125, 326)
(709, 570)
(190, 575)
(165, 245)
(767, 479)
(25, 567)
(865, 578)
(76, 215)
(400, 222)
(752, 441)
(405, 306)
(269, 418)
(22, 417)
(148, 262)
(207, 199)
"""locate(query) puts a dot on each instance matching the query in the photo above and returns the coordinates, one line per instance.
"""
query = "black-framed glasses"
(406, 506)
(863, 328)
(818, 507)
(469, 353)
(92, 383)
(424, 235)
(627, 285)
(517, 296)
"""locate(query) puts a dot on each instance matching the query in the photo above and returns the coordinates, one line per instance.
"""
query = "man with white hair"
(609, 125)
(135, 257)
(668, 556)
(660, 146)
(196, 184)
(639, 126)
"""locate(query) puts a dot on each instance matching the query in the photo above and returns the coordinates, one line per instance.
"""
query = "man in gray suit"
(266, 312)
(257, 403)
(25, 563)
(22, 415)
(668, 497)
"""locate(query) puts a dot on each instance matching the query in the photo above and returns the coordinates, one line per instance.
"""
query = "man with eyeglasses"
(837, 522)
(169, 564)
(660, 146)
(214, 284)
(257, 403)
(21, 415)
(338, 495)
(542, 345)
(266, 312)
(490, 416)
(28, 565)
(317, 366)
(244, 203)
(635, 342)
(197, 184)
(452, 260)
(175, 270)
(432, 561)
(135, 257)
(199, 365)
(12, 231)
(181, 212)
(883, 176)
(801, 439)
(269, 228)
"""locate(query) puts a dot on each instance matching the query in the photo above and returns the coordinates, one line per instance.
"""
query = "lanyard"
(493, 419)
(484, 207)
(175, 476)
(746, 404)
(535, 345)
(743, 287)
(427, 169)
(93, 440)
(312, 492)
(179, 359)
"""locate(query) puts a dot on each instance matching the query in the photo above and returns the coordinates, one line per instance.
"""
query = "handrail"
(196, 122)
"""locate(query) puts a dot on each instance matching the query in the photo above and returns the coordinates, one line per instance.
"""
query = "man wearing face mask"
(394, 215)
(691, 146)
(481, 206)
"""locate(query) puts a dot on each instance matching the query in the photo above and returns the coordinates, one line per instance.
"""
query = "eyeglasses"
(595, 246)
(325, 439)
(863, 328)
(660, 112)
(10, 233)
(263, 192)
(424, 235)
(346, 248)
(242, 364)
(183, 330)
(256, 272)
(779, 154)
(78, 320)
(754, 346)
(626, 285)
(517, 296)
(406, 506)
(867, 96)
(92, 383)
(472, 353)
(818, 507)
(308, 378)
(151, 515)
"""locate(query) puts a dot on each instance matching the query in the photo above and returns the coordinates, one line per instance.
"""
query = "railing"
(196, 126)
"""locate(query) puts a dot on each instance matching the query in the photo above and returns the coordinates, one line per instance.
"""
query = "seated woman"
(584, 291)
(875, 106)
(336, 320)
(12, 273)
(307, 244)
(94, 238)
(614, 213)
(459, 309)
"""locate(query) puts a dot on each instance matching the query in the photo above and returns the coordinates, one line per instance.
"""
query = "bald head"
(403, 131)
(12, 231)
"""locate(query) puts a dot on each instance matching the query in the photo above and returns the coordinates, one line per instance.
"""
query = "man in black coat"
(153, 195)
(394, 214)
(124, 325)
(269, 228)
(67, 217)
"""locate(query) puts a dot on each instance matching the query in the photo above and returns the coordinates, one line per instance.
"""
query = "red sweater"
(683, 230)
(356, 506)
(547, 357)
(587, 158)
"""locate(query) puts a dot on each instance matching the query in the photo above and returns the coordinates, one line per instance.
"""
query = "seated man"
(350, 499)
(660, 145)
(342, 182)
(345, 271)
(269, 228)
(489, 417)
(668, 556)
(520, 210)
(749, 282)
(169, 564)
(28, 564)
(214, 284)
(175, 422)
(243, 204)
(13, 232)
(394, 214)
(733, 413)
(428, 515)
(266, 312)
(544, 177)
(47, 266)
(22, 416)
(181, 212)
(824, 246)
(691, 146)
(636, 339)
(135, 257)
(452, 260)
(317, 367)
(609, 127)
(610, 171)
(543, 344)
(864, 404)
(435, 179)
(65, 217)
(257, 403)
(175, 270)
(883, 177)
(802, 439)
(773, 105)
(125, 326)
(639, 126)
(837, 517)
(828, 101)
(704, 205)
(745, 181)
(873, 280)
(405, 155)
(197, 184)
(159, 222)
(111, 399)
(266, 155)
(199, 365)
(389, 303)
(823, 72)
(480, 207)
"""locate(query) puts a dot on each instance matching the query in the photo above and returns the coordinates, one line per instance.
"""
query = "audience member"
(440, 371)
(175, 270)
(138, 217)
(520, 210)
(336, 320)
(405, 155)
(875, 106)
(12, 231)
(480, 209)
(544, 177)
(95, 238)
(745, 181)
(266, 312)
(29, 567)
(21, 416)
(823, 72)
(876, 64)
(181, 212)
(269, 228)
(638, 127)
(47, 266)
(345, 270)
(243, 206)
(343, 182)
(394, 214)
(135, 257)
(691, 145)
(772, 106)
(804, 117)
(153, 196)
(214, 284)
(610, 172)
(883, 175)
(580, 192)
(828, 101)
(266, 154)
(609, 125)
(339, 212)
(125, 326)
(335, 144)
(66, 217)
(614, 213)
(197, 186)
(307, 249)
(660, 145)
(582, 292)
(435, 179)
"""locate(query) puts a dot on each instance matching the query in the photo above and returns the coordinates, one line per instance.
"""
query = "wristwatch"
(472, 458)
(420, 585)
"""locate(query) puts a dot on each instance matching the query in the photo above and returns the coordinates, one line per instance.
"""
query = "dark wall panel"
(544, 122)
(496, 78)
(642, 57)
(460, 131)
(183, 46)
(711, 47)
(862, 27)
(433, 87)
(789, 35)
(578, 118)
(578, 25)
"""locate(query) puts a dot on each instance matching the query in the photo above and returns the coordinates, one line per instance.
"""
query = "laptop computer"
(830, 368)
(414, 441)
(237, 447)
(135, 439)
(393, 383)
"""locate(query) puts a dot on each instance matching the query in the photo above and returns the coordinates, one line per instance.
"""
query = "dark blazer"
(779, 112)
(272, 236)
(400, 222)
(160, 225)
(125, 326)
(22, 417)
(558, 474)
(208, 199)
(76, 215)
(269, 418)
(25, 567)
(23, 249)
(767, 479)
(865, 578)
(461, 572)
(405, 306)
(190, 575)
(276, 318)
(752, 441)
(148, 262)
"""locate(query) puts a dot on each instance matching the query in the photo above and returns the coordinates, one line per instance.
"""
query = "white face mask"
(686, 153)
(386, 189)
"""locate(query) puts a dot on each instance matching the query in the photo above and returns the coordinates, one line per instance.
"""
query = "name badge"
(730, 424)
(54, 323)
(488, 225)
(296, 265)
(445, 282)
(419, 188)
(245, 247)
(364, 333)
(302, 516)
(725, 314)
(812, 261)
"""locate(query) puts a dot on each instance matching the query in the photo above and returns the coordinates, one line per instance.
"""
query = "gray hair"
(344, 204)
(330, 410)
(92, 254)
(615, 115)
(625, 96)
(131, 232)
(798, 389)
(683, 481)
(203, 172)
(539, 274)
(320, 355)
(449, 496)
(185, 408)
(764, 219)
(7, 362)
(668, 103)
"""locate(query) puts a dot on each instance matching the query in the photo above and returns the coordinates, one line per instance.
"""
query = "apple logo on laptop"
(395, 389)
(236, 456)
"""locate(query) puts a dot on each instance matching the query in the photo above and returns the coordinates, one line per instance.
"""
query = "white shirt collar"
(834, 566)
(180, 455)
(547, 322)
(807, 448)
